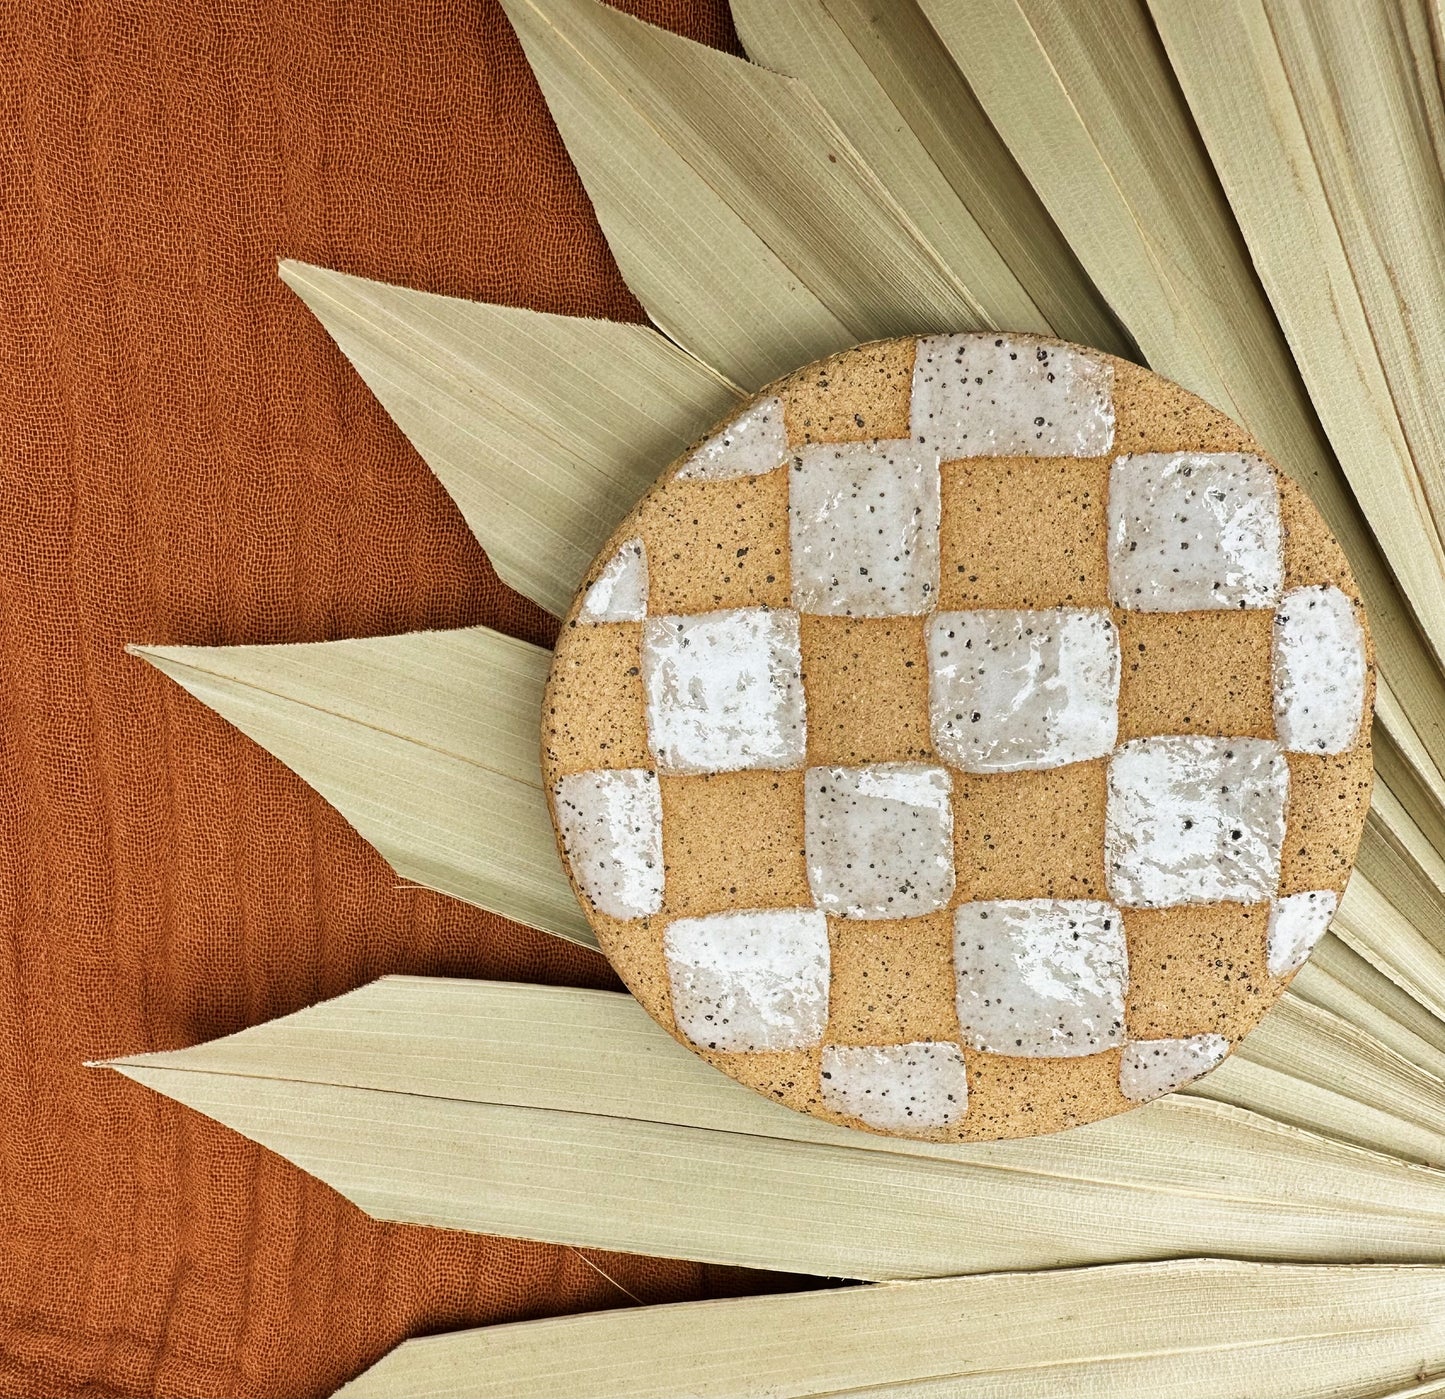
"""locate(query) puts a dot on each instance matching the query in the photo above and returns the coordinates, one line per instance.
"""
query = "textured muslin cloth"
(188, 459)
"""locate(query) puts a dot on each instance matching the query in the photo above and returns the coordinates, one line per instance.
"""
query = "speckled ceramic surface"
(968, 739)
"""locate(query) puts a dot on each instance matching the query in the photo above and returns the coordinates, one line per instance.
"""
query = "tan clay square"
(634, 947)
(1311, 555)
(788, 1076)
(1018, 532)
(1009, 1097)
(866, 682)
(892, 980)
(858, 396)
(595, 716)
(716, 544)
(1146, 420)
(1030, 835)
(1197, 970)
(1195, 673)
(1328, 799)
(733, 840)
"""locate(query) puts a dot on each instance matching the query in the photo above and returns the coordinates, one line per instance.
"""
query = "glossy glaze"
(1041, 977)
(1012, 691)
(752, 980)
(724, 690)
(879, 839)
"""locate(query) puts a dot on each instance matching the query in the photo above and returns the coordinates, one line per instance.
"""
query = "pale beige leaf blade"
(741, 217)
(1406, 768)
(596, 1052)
(890, 85)
(1397, 855)
(1084, 102)
(544, 429)
(1370, 921)
(1363, 80)
(1336, 978)
(1085, 99)
(921, 78)
(1393, 911)
(426, 743)
(1198, 1329)
(629, 1186)
(628, 1142)
(1431, 1389)
(1305, 1066)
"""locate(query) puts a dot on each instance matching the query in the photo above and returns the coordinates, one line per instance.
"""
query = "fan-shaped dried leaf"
(740, 215)
(1185, 1330)
(544, 429)
(426, 743)
(568, 1116)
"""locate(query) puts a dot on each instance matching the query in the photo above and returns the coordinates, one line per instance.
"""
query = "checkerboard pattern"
(924, 745)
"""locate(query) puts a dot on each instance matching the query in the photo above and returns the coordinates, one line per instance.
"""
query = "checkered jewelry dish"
(968, 739)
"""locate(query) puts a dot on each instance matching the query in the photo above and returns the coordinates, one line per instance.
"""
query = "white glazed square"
(611, 825)
(879, 839)
(1296, 924)
(1195, 820)
(1011, 691)
(1151, 1068)
(1319, 671)
(754, 443)
(863, 521)
(750, 981)
(1041, 978)
(724, 690)
(897, 1087)
(620, 592)
(1190, 531)
(984, 395)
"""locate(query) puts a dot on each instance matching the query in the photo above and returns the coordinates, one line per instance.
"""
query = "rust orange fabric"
(186, 458)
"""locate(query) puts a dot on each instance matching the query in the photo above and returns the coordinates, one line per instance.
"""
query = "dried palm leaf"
(1303, 1065)
(1373, 926)
(1393, 911)
(895, 93)
(568, 1116)
(1429, 1390)
(1308, 1067)
(1404, 766)
(426, 743)
(544, 429)
(1183, 1330)
(1338, 979)
(743, 219)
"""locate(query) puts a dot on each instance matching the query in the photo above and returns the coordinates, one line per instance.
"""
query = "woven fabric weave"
(188, 459)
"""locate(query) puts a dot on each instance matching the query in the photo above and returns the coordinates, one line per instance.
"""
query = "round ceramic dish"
(968, 739)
